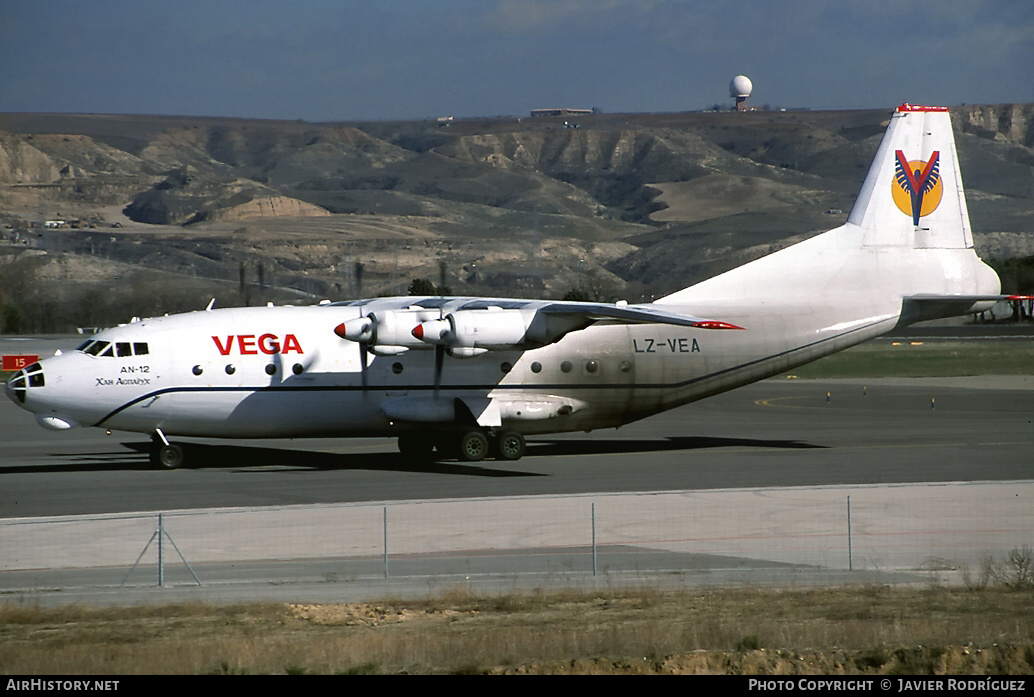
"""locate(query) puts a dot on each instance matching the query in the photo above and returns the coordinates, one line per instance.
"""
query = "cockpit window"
(119, 348)
(82, 346)
(32, 376)
(94, 348)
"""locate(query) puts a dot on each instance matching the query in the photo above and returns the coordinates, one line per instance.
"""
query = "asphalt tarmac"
(745, 487)
(777, 433)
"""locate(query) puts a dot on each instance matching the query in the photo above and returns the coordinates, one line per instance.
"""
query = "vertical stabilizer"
(913, 196)
(908, 235)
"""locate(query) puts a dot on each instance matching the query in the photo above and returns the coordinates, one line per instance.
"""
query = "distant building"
(739, 89)
(563, 111)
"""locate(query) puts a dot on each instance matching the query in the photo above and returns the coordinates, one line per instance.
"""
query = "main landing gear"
(471, 445)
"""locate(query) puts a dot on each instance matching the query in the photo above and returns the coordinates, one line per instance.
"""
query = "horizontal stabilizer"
(928, 297)
(927, 306)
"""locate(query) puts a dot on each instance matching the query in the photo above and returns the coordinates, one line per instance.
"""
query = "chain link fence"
(759, 533)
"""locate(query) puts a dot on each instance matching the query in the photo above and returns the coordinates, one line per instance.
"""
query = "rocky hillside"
(627, 204)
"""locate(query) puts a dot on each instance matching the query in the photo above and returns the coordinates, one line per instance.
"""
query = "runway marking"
(768, 402)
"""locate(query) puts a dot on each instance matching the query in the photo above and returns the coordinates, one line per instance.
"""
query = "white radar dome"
(740, 86)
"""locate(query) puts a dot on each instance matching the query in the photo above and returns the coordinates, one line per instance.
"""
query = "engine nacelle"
(387, 333)
(479, 329)
(489, 328)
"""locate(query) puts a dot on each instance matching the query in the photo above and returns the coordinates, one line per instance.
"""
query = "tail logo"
(917, 186)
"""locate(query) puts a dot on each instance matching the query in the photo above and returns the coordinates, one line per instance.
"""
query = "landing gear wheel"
(509, 446)
(167, 457)
(416, 445)
(473, 446)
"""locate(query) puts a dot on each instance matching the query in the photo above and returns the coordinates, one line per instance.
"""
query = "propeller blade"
(363, 355)
(439, 360)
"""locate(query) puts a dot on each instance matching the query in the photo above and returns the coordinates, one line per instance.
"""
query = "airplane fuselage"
(281, 372)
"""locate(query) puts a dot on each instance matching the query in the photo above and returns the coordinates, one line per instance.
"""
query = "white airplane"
(465, 377)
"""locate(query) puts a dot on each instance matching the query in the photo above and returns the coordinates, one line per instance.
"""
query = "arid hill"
(622, 205)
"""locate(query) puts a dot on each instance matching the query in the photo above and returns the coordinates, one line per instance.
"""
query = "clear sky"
(330, 60)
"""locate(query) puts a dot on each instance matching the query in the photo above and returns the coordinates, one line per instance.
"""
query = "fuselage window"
(197, 370)
(271, 369)
(536, 367)
(230, 370)
(297, 368)
(565, 366)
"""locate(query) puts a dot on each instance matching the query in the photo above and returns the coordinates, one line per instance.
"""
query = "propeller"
(439, 361)
(364, 352)
(359, 330)
(435, 331)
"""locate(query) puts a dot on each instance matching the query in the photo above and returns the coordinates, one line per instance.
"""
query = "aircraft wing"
(631, 314)
(468, 326)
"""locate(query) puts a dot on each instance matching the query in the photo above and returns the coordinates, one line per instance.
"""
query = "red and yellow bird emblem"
(917, 186)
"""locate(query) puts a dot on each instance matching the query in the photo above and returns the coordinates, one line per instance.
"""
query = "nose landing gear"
(165, 455)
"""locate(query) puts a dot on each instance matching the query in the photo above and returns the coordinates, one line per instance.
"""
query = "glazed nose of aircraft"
(20, 389)
(17, 387)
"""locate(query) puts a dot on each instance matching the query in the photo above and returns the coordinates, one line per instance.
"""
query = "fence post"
(593, 538)
(850, 557)
(161, 548)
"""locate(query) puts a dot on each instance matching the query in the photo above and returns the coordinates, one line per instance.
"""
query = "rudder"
(913, 195)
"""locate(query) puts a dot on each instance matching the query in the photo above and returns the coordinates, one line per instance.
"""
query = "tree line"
(31, 305)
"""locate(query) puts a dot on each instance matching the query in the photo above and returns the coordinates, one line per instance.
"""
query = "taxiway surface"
(775, 433)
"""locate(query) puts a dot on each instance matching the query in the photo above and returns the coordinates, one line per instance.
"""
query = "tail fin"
(908, 237)
(913, 195)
